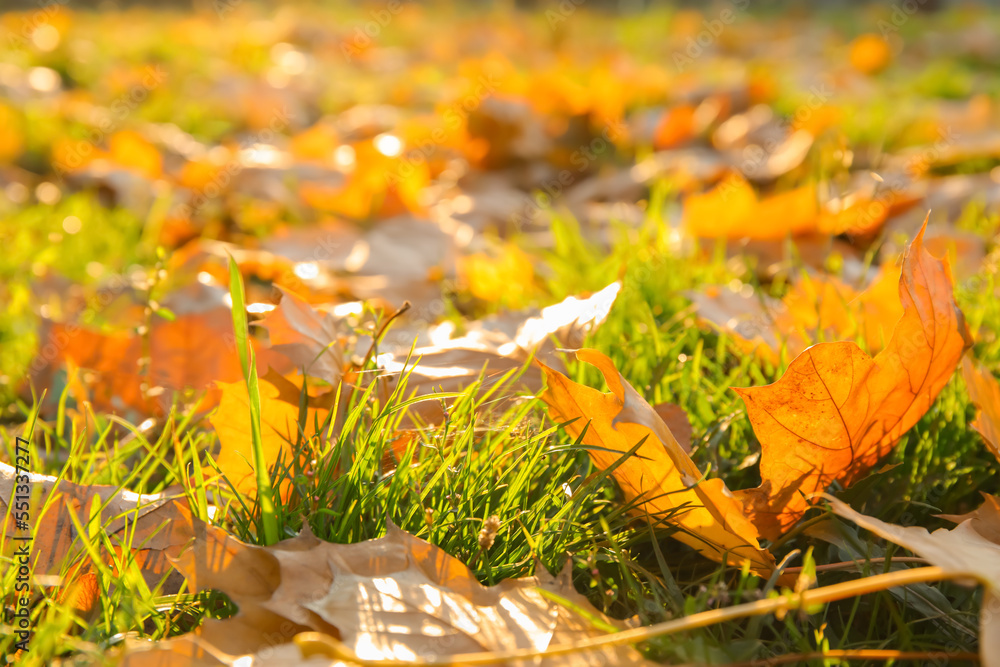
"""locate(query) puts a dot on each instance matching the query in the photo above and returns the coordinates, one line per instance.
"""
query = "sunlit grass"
(516, 465)
(491, 459)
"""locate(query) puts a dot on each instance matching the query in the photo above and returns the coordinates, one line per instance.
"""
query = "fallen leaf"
(815, 308)
(158, 524)
(393, 598)
(870, 53)
(984, 392)
(11, 134)
(971, 548)
(317, 144)
(190, 352)
(660, 477)
(733, 210)
(279, 426)
(863, 214)
(507, 278)
(830, 308)
(493, 347)
(131, 150)
(836, 411)
(820, 120)
(379, 185)
(312, 339)
(676, 419)
(675, 127)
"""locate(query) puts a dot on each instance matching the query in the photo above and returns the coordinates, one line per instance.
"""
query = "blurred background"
(400, 150)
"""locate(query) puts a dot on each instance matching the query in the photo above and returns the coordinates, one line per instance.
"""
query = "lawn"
(290, 270)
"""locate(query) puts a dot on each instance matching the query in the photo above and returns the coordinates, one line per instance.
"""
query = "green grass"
(493, 458)
(457, 475)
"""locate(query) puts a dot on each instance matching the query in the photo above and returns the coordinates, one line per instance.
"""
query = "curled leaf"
(836, 411)
(310, 338)
(660, 477)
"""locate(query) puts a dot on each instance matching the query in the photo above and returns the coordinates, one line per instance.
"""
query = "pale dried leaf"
(396, 597)
(971, 548)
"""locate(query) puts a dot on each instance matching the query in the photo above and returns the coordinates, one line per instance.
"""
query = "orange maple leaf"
(984, 391)
(660, 478)
(836, 411)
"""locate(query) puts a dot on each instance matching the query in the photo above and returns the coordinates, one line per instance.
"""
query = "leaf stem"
(852, 564)
(314, 643)
(858, 654)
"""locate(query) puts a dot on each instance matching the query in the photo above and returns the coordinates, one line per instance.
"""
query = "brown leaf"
(972, 547)
(159, 525)
(660, 475)
(984, 392)
(396, 597)
(836, 411)
(310, 338)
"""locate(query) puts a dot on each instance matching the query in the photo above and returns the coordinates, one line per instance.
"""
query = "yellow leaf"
(870, 53)
(661, 478)
(732, 210)
(279, 425)
(131, 150)
(11, 134)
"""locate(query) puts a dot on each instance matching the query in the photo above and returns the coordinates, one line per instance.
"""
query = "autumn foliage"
(388, 334)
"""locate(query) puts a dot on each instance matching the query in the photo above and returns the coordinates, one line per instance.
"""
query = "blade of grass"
(240, 327)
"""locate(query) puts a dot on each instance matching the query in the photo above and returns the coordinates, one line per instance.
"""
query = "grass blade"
(265, 493)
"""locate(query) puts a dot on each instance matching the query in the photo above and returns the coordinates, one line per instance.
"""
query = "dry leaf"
(312, 339)
(862, 216)
(676, 419)
(660, 476)
(984, 392)
(815, 306)
(131, 150)
(675, 127)
(190, 352)
(870, 53)
(11, 134)
(493, 346)
(972, 547)
(507, 278)
(732, 210)
(830, 307)
(158, 524)
(836, 411)
(279, 426)
(396, 597)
